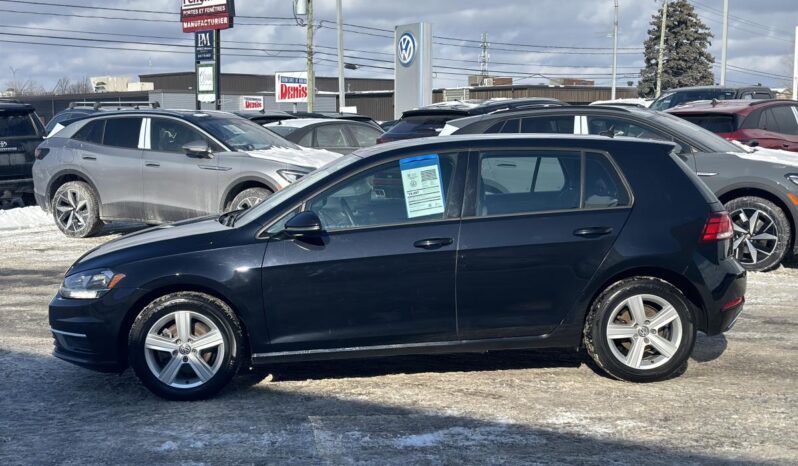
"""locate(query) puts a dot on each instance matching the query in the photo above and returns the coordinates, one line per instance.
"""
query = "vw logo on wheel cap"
(406, 49)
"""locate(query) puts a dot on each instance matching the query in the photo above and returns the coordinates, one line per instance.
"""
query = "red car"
(772, 124)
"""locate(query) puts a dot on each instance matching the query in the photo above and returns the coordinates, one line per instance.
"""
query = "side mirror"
(197, 149)
(753, 143)
(303, 224)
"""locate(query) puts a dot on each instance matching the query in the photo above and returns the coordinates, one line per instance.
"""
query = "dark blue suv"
(443, 245)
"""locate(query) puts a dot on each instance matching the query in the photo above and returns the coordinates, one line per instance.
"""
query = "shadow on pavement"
(709, 348)
(54, 412)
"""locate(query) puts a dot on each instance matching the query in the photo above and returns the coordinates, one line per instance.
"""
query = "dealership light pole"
(725, 43)
(341, 83)
(661, 45)
(614, 49)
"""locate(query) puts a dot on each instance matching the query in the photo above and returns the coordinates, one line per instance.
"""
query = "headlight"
(89, 285)
(291, 175)
(793, 178)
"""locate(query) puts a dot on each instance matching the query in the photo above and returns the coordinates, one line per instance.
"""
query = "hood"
(777, 157)
(301, 156)
(163, 240)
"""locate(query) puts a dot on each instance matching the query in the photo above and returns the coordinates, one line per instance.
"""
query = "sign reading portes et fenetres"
(200, 15)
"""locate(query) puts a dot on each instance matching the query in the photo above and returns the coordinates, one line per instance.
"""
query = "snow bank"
(24, 217)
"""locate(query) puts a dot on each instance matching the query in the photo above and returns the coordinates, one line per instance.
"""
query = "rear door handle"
(593, 232)
(151, 164)
(88, 157)
(433, 243)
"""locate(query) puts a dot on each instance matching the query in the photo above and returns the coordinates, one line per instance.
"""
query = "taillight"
(718, 227)
(41, 152)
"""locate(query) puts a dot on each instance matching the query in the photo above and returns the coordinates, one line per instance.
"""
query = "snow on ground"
(23, 218)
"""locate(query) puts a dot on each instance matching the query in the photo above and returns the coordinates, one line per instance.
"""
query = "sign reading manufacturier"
(203, 15)
(291, 87)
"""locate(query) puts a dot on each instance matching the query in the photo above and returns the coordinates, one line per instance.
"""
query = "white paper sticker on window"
(421, 180)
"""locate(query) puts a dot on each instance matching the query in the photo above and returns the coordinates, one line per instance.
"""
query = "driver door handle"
(151, 164)
(433, 243)
(593, 232)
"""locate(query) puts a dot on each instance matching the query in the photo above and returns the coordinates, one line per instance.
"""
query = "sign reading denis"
(203, 15)
(291, 87)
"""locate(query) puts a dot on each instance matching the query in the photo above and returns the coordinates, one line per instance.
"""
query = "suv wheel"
(185, 346)
(76, 210)
(640, 330)
(248, 198)
(761, 233)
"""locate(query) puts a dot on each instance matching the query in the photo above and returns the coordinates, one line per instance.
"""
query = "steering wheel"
(347, 211)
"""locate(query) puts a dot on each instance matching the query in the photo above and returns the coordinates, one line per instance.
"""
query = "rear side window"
(603, 185)
(91, 132)
(559, 125)
(714, 123)
(365, 136)
(610, 126)
(330, 136)
(122, 132)
(507, 126)
(16, 124)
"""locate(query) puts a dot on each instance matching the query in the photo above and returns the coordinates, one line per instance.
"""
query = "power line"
(740, 19)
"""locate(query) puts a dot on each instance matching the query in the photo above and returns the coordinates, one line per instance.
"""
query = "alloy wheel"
(756, 235)
(72, 210)
(248, 202)
(644, 331)
(184, 349)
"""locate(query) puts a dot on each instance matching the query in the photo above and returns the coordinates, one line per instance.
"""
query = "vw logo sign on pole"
(406, 49)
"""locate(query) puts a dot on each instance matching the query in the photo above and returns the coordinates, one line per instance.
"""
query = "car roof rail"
(119, 104)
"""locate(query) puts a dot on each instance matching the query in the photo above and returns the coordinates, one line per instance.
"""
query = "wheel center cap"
(184, 349)
(643, 331)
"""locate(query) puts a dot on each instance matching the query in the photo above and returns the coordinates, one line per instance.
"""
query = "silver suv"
(158, 166)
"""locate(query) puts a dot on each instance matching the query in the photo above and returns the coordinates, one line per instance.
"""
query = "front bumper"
(87, 332)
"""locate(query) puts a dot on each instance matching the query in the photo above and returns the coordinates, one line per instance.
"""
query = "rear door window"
(555, 124)
(768, 122)
(122, 132)
(525, 182)
(16, 124)
(331, 136)
(786, 119)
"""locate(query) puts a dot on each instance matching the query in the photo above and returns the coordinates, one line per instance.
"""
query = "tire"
(75, 210)
(163, 357)
(773, 232)
(248, 198)
(615, 355)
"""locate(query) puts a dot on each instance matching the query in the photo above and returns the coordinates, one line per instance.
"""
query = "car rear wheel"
(640, 330)
(76, 210)
(761, 233)
(248, 198)
(185, 346)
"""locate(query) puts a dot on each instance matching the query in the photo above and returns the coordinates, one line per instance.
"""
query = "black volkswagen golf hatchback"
(440, 245)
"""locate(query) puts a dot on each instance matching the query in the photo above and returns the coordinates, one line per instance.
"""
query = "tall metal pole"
(795, 68)
(341, 82)
(662, 28)
(311, 86)
(725, 44)
(614, 49)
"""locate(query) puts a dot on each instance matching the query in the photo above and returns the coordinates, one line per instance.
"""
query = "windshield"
(16, 124)
(673, 99)
(708, 140)
(281, 196)
(241, 134)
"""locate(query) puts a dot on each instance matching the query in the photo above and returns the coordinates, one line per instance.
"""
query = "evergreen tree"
(686, 61)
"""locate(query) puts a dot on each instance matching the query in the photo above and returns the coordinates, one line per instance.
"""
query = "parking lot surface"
(737, 403)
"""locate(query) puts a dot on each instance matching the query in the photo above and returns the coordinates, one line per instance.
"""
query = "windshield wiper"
(228, 218)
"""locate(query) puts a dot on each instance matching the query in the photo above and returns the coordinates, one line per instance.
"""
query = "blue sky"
(529, 38)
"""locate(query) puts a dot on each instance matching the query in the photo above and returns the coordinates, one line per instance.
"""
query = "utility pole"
(614, 49)
(341, 82)
(661, 45)
(725, 44)
(311, 86)
(795, 68)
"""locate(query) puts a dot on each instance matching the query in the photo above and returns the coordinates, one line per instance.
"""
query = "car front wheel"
(185, 346)
(761, 233)
(248, 198)
(640, 330)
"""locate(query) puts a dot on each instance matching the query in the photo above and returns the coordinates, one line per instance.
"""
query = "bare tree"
(62, 85)
(83, 86)
(19, 87)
